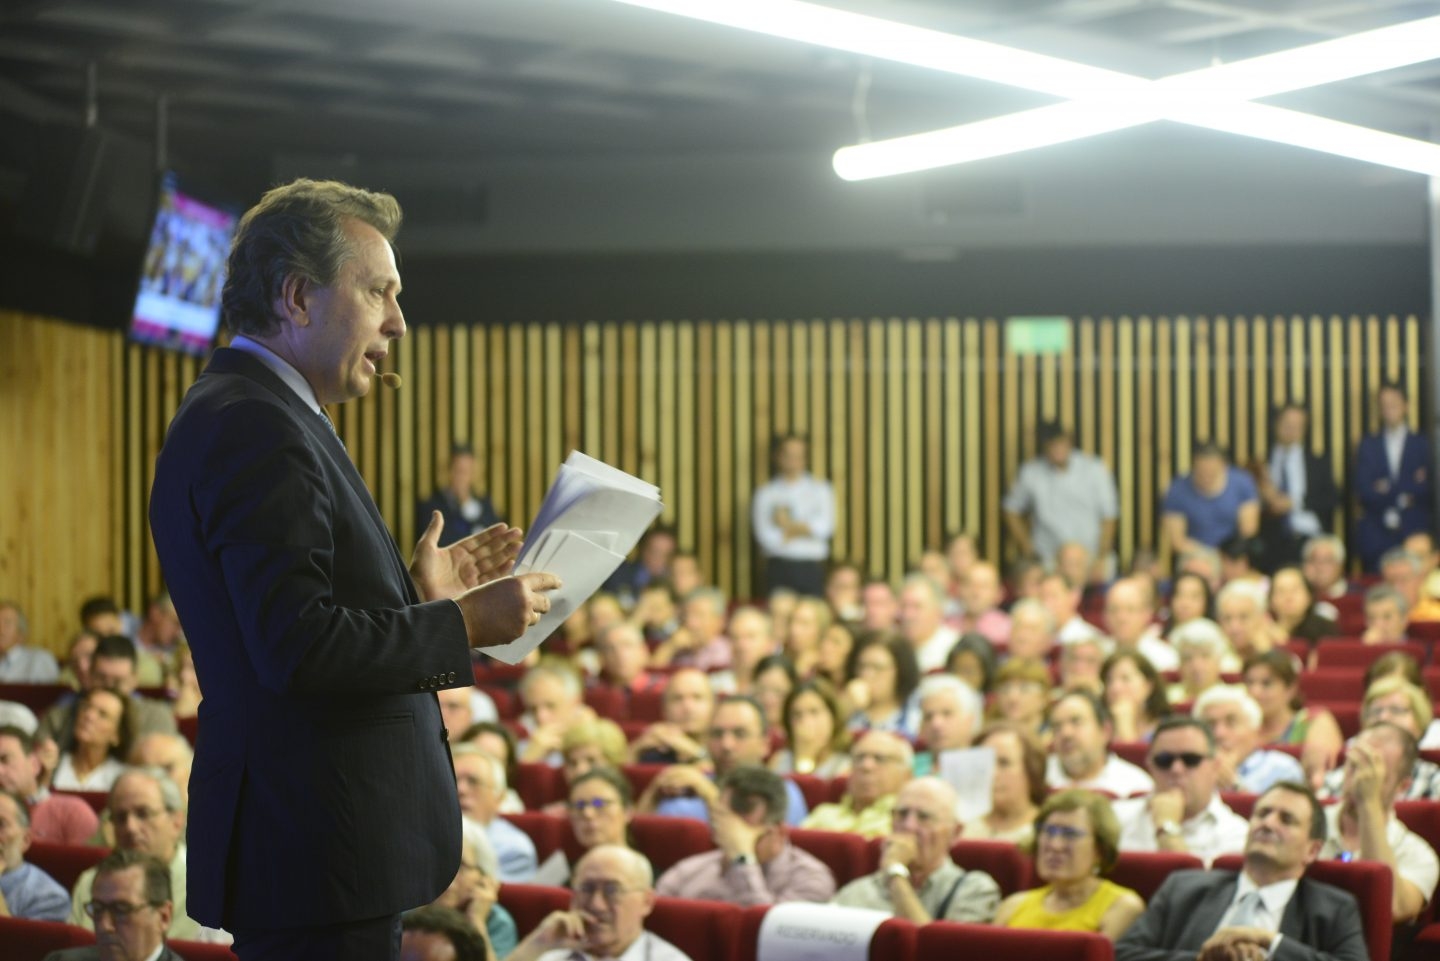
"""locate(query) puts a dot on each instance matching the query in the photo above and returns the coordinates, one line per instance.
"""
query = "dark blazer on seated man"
(1320, 923)
(92, 953)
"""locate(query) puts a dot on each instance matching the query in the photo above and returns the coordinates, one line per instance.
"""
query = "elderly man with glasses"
(612, 895)
(1185, 812)
(880, 764)
(131, 908)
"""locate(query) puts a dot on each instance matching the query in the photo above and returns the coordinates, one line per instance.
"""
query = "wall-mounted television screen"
(178, 304)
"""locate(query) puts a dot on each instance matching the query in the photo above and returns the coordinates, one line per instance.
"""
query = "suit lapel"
(1212, 906)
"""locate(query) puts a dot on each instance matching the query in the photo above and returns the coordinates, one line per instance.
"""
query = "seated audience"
(651, 564)
(1204, 652)
(686, 577)
(1032, 630)
(1405, 574)
(1323, 562)
(1130, 611)
(182, 685)
(686, 707)
(950, 714)
(816, 739)
(472, 895)
(480, 785)
(625, 660)
(835, 646)
(1242, 763)
(1018, 788)
(922, 622)
(553, 701)
(1244, 616)
(754, 861)
(590, 745)
(700, 641)
(1240, 559)
(600, 807)
(148, 818)
(808, 624)
(1378, 762)
(773, 680)
(1190, 600)
(78, 654)
(609, 927)
(1022, 697)
(21, 663)
(1134, 694)
(1074, 562)
(169, 753)
(882, 605)
(918, 880)
(1211, 504)
(1273, 680)
(1184, 813)
(1292, 605)
(157, 638)
(1387, 616)
(1080, 663)
(1076, 844)
(1062, 599)
(498, 741)
(842, 592)
(883, 676)
(437, 933)
(750, 643)
(1269, 909)
(1394, 700)
(980, 613)
(657, 612)
(113, 668)
(94, 755)
(880, 764)
(127, 879)
(25, 891)
(1081, 755)
(54, 818)
(973, 660)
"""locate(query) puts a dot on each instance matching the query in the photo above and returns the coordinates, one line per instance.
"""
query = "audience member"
(882, 606)
(439, 933)
(686, 707)
(552, 696)
(498, 741)
(113, 668)
(157, 638)
(1242, 764)
(132, 911)
(610, 926)
(1190, 600)
(1032, 630)
(1130, 622)
(20, 663)
(1064, 495)
(625, 661)
(651, 565)
(962, 550)
(592, 744)
(657, 612)
(25, 891)
(1204, 562)
(834, 654)
(102, 616)
(54, 818)
(1386, 616)
(918, 880)
(1184, 813)
(1269, 909)
(751, 642)
(1240, 560)
(1080, 663)
(1292, 604)
(1297, 490)
(1022, 697)
(600, 807)
(1378, 762)
(480, 785)
(793, 516)
(700, 642)
(463, 509)
(773, 681)
(883, 677)
(754, 861)
(457, 708)
(922, 622)
(1076, 844)
(1323, 562)
(842, 592)
(1403, 572)
(94, 755)
(1391, 479)
(1273, 680)
(973, 660)
(950, 714)
(1243, 609)
(1081, 756)
(79, 652)
(686, 576)
(1204, 654)
(808, 624)
(1075, 563)
(1134, 694)
(472, 897)
(1018, 788)
(816, 739)
(980, 596)
(1211, 504)
(168, 753)
(880, 764)
(936, 566)
(1392, 699)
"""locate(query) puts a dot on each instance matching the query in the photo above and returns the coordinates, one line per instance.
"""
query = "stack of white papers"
(591, 518)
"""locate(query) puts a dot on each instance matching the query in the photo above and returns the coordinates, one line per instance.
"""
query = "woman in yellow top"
(1077, 840)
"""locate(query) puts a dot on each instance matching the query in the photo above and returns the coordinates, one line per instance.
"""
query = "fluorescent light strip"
(1104, 100)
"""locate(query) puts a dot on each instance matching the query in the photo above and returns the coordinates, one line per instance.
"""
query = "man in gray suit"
(1267, 911)
(130, 904)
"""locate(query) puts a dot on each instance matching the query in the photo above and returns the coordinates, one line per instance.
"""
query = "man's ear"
(292, 304)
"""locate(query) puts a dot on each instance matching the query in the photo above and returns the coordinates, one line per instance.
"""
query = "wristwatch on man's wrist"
(897, 871)
(1168, 829)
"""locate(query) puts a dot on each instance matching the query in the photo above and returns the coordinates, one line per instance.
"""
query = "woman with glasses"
(883, 677)
(816, 740)
(600, 808)
(1394, 700)
(1077, 840)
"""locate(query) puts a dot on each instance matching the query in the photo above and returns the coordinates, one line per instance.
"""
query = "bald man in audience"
(54, 818)
(612, 893)
(918, 880)
(880, 764)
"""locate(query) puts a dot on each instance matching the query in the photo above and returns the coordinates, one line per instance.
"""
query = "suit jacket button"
(423, 685)
(451, 679)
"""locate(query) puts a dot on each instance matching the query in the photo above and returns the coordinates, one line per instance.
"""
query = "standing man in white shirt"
(1064, 495)
(794, 519)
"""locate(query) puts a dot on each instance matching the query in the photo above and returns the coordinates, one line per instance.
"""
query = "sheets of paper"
(591, 518)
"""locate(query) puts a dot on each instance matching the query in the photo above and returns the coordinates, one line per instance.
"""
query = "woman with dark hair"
(1273, 680)
(816, 738)
(1077, 842)
(1017, 790)
(835, 646)
(1135, 695)
(1292, 604)
(883, 676)
(773, 680)
(94, 755)
(973, 660)
(1190, 599)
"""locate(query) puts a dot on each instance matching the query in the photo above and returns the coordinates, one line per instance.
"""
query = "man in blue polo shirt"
(1211, 504)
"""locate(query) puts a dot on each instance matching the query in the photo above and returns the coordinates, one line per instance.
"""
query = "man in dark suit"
(1297, 491)
(1267, 910)
(322, 799)
(464, 510)
(1392, 481)
(131, 906)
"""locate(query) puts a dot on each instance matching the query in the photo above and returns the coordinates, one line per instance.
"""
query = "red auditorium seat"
(490, 671)
(846, 855)
(1422, 817)
(64, 862)
(704, 930)
(1427, 631)
(665, 840)
(647, 706)
(530, 903)
(33, 940)
(1333, 684)
(538, 784)
(507, 702)
(1337, 652)
(1431, 676)
(838, 786)
(607, 702)
(37, 697)
(548, 831)
(640, 776)
(1430, 754)
(200, 951)
(815, 789)
(633, 729)
(189, 728)
(1144, 871)
(1370, 882)
(96, 799)
(1347, 715)
(1297, 646)
(946, 939)
(1132, 751)
(1240, 802)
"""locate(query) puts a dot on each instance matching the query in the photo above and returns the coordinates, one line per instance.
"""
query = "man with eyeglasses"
(1268, 910)
(880, 764)
(25, 890)
(754, 863)
(130, 909)
(918, 880)
(480, 786)
(1185, 812)
(611, 896)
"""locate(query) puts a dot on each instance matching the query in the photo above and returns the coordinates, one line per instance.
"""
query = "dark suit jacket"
(92, 953)
(456, 526)
(1321, 494)
(1372, 467)
(1321, 923)
(322, 790)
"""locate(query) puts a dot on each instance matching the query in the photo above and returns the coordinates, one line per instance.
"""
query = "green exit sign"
(1037, 335)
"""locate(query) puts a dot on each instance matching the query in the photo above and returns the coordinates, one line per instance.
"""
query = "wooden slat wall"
(921, 423)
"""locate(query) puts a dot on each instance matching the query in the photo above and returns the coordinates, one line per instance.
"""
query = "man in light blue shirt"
(1243, 764)
(1063, 496)
(19, 662)
(29, 892)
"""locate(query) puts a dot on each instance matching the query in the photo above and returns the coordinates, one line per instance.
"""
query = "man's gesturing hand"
(500, 611)
(441, 572)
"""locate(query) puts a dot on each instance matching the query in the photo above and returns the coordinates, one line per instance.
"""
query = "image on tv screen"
(178, 305)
